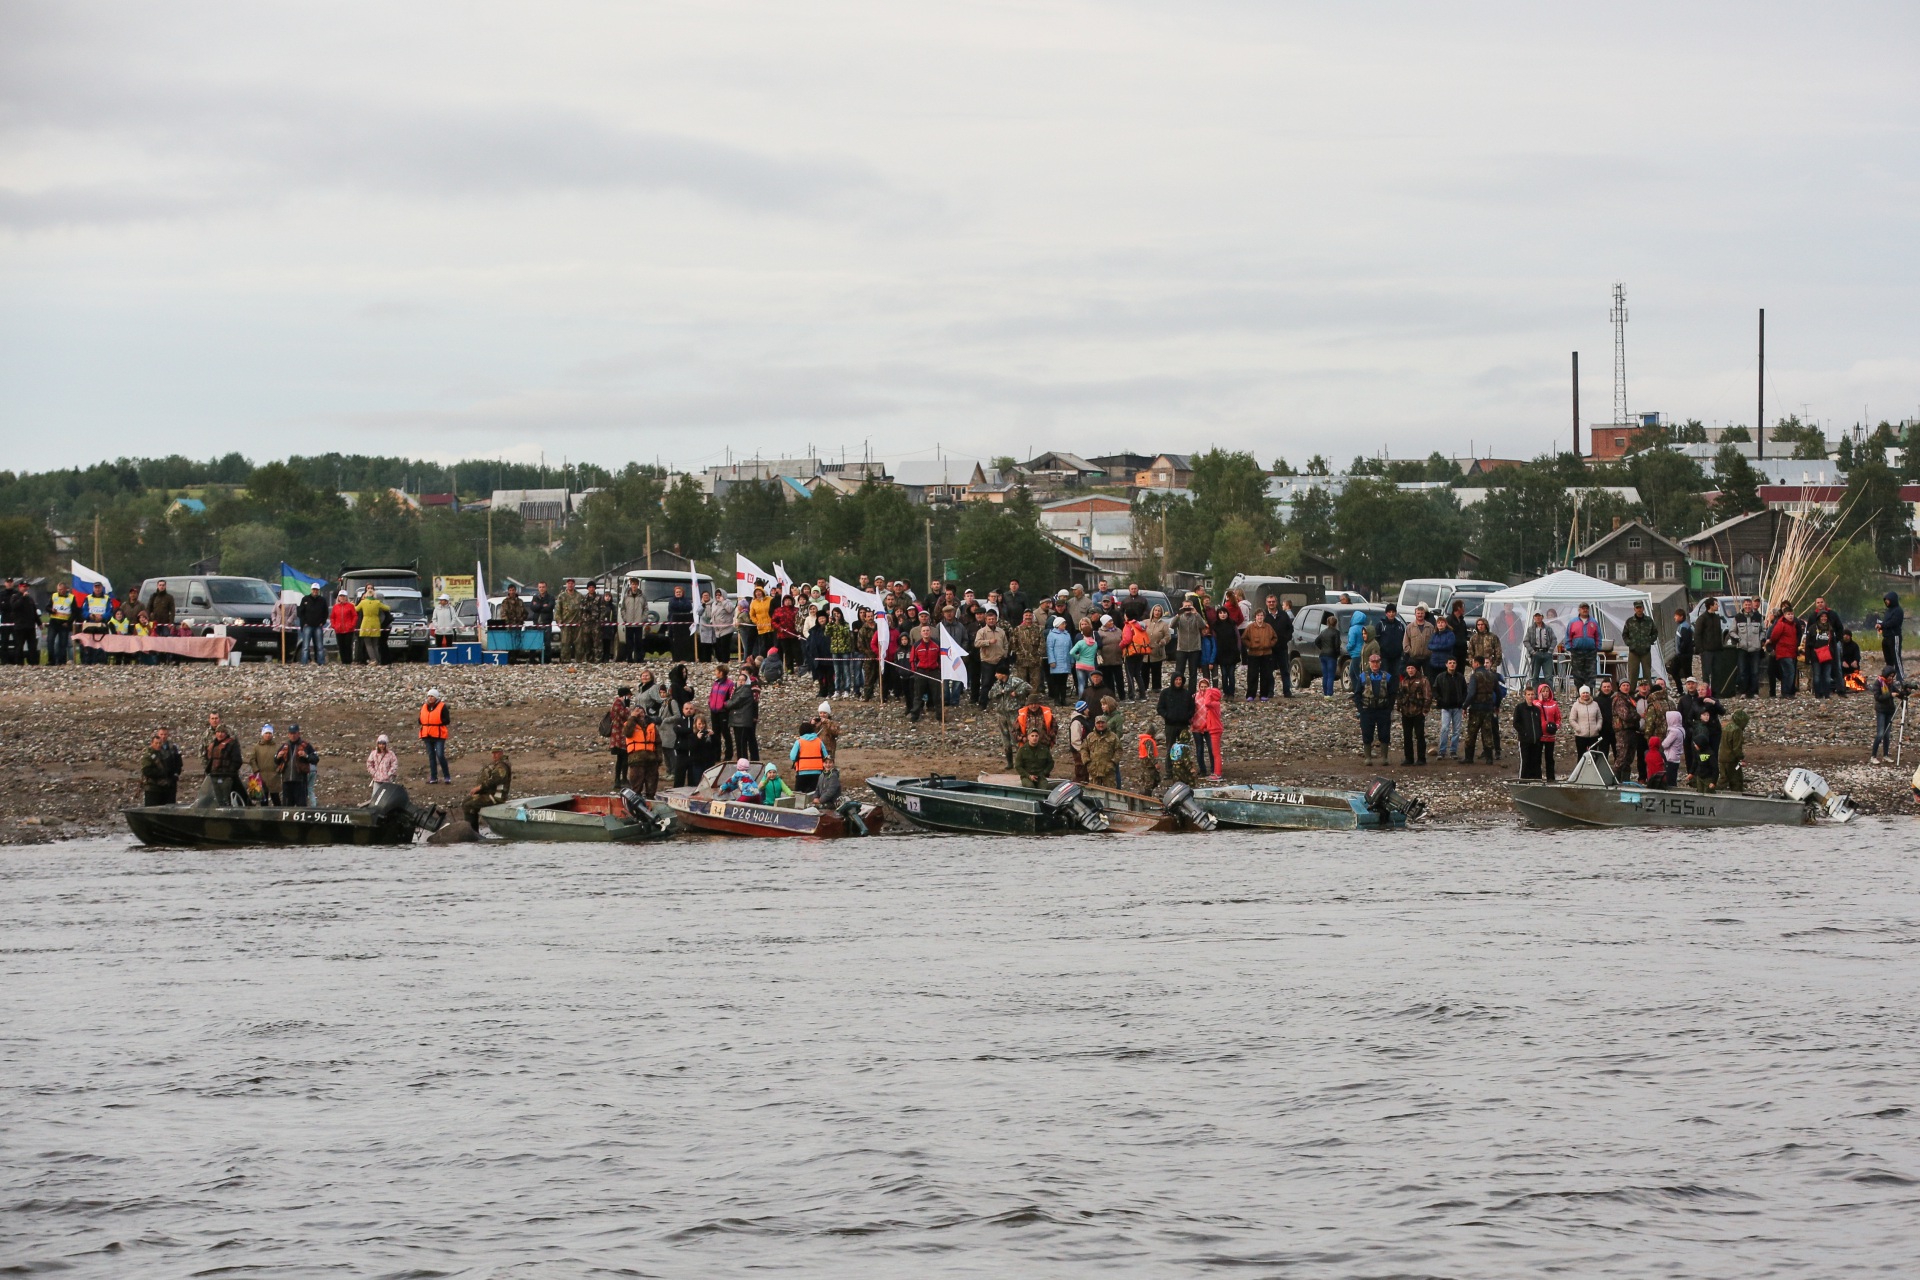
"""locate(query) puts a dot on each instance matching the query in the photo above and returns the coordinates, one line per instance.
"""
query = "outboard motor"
(391, 797)
(1069, 799)
(1810, 788)
(1383, 800)
(849, 811)
(1181, 804)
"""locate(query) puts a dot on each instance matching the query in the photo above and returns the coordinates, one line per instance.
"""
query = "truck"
(399, 586)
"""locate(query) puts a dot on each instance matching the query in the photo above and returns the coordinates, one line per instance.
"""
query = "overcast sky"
(637, 230)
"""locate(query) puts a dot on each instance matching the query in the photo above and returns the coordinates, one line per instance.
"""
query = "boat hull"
(973, 808)
(576, 819)
(739, 818)
(178, 826)
(1547, 804)
(1294, 809)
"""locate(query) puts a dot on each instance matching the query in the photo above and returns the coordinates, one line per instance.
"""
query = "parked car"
(1306, 628)
(1438, 593)
(244, 606)
(1259, 587)
(400, 588)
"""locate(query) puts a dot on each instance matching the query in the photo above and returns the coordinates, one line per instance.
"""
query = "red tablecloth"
(215, 648)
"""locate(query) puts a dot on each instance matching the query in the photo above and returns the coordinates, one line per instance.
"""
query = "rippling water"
(1449, 1054)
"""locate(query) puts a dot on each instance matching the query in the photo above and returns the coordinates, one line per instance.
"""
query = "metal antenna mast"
(1619, 317)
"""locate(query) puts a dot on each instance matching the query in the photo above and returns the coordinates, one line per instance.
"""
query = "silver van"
(244, 606)
(1438, 593)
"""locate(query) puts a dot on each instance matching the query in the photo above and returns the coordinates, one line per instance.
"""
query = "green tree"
(1843, 453)
(1317, 466)
(1910, 458)
(1739, 483)
(1281, 468)
(1692, 431)
(1670, 485)
(252, 551)
(1735, 434)
(691, 522)
(26, 548)
(995, 543)
(1872, 510)
(1312, 522)
(1386, 534)
(613, 524)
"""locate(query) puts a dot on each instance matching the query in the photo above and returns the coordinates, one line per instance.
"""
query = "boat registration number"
(910, 803)
(317, 817)
(1278, 797)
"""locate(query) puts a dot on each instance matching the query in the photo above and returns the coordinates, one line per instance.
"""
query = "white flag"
(953, 661)
(482, 611)
(850, 599)
(882, 636)
(780, 577)
(748, 575)
(81, 575)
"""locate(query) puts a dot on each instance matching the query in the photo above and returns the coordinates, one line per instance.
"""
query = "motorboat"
(710, 807)
(626, 818)
(388, 817)
(1592, 796)
(1132, 812)
(941, 803)
(1290, 808)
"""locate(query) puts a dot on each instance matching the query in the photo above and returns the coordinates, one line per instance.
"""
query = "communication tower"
(1619, 317)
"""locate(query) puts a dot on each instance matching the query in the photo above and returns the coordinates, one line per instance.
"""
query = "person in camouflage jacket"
(1413, 701)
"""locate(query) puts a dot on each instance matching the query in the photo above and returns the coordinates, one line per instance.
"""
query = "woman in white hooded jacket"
(1585, 719)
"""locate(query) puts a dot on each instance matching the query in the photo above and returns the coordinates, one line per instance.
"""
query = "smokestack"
(1760, 414)
(1576, 404)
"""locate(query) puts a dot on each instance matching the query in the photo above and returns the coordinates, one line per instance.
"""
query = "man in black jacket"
(314, 632)
(1449, 697)
(1176, 706)
(1280, 618)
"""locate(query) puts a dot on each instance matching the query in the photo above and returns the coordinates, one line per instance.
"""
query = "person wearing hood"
(1733, 750)
(1176, 706)
(1584, 719)
(1673, 747)
(382, 764)
(1443, 644)
(1110, 656)
(1356, 650)
(1527, 731)
(444, 623)
(1549, 727)
(1892, 620)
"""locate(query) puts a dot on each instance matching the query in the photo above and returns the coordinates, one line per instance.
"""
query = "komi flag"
(953, 661)
(83, 579)
(291, 579)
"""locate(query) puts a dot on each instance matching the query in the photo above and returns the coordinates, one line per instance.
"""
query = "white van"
(1438, 593)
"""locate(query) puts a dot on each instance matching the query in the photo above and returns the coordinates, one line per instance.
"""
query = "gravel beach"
(73, 737)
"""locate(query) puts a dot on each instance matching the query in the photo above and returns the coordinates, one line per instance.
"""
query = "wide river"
(1451, 1053)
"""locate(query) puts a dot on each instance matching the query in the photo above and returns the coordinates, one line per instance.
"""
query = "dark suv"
(400, 588)
(1301, 650)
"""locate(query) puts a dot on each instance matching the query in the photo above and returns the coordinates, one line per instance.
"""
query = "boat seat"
(788, 801)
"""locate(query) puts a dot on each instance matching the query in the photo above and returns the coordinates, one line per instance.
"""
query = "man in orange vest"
(435, 720)
(643, 752)
(1149, 763)
(1036, 717)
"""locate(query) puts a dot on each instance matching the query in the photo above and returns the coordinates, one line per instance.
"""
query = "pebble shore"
(72, 738)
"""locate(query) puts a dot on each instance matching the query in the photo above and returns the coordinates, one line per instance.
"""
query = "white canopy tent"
(1557, 598)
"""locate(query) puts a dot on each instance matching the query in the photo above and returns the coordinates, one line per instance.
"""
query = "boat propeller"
(1384, 800)
(1069, 798)
(1807, 786)
(1181, 804)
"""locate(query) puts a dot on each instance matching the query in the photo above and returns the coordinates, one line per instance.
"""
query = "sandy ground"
(71, 739)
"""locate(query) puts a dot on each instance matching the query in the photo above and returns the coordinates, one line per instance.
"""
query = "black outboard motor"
(1384, 803)
(1069, 799)
(1181, 804)
(391, 797)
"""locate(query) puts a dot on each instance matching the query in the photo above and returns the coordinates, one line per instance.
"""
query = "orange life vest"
(1046, 721)
(642, 735)
(433, 720)
(812, 757)
(1149, 747)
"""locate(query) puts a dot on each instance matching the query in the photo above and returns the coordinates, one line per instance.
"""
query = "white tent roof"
(1568, 585)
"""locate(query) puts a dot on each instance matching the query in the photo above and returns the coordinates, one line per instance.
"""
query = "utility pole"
(96, 543)
(490, 576)
(930, 560)
(1576, 404)
(1760, 413)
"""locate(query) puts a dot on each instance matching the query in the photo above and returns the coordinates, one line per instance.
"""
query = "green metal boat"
(596, 819)
(1290, 808)
(990, 808)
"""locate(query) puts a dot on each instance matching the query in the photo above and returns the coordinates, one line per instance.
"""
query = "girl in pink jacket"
(1207, 726)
